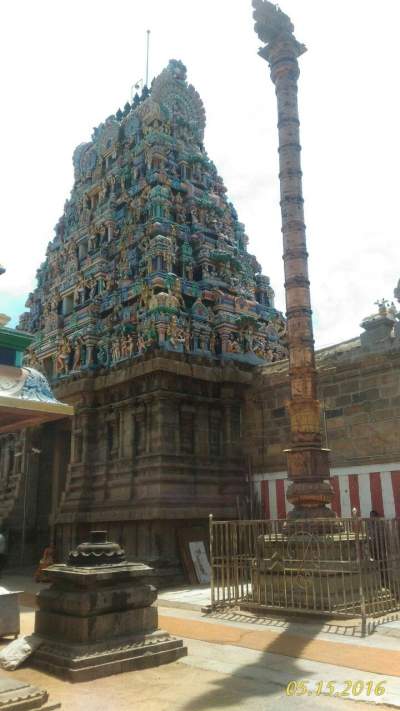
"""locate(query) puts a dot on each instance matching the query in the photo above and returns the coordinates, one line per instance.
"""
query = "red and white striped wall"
(365, 488)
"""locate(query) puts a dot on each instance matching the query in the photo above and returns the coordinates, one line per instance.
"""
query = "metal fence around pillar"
(347, 567)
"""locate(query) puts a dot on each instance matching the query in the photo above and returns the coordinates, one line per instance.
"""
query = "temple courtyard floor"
(236, 661)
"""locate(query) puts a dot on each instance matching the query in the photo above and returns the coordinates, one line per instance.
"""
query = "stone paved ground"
(224, 674)
(243, 684)
(235, 662)
(176, 687)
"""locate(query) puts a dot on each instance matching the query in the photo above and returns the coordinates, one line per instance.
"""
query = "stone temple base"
(99, 618)
(19, 696)
(308, 572)
(87, 662)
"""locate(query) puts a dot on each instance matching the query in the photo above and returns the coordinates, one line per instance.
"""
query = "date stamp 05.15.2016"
(347, 688)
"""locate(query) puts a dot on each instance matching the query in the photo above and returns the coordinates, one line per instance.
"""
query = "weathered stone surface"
(87, 662)
(9, 612)
(99, 620)
(16, 653)
(310, 570)
(19, 696)
(98, 626)
(368, 386)
(158, 480)
(84, 603)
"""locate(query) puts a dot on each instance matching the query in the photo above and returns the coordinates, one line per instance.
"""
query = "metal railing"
(341, 567)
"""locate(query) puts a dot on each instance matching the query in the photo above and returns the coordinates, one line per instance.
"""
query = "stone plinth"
(314, 571)
(100, 619)
(19, 696)
(378, 330)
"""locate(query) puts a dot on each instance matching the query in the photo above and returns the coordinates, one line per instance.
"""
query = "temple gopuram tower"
(149, 317)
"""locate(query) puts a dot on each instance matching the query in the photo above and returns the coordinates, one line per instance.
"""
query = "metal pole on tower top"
(147, 58)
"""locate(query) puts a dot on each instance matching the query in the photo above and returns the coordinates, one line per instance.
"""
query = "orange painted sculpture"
(47, 559)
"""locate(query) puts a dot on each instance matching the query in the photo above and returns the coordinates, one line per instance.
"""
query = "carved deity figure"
(172, 331)
(115, 350)
(62, 357)
(102, 353)
(92, 288)
(103, 190)
(179, 209)
(145, 296)
(92, 241)
(175, 334)
(232, 345)
(79, 290)
(259, 348)
(131, 345)
(212, 343)
(77, 355)
(110, 282)
(177, 292)
(124, 347)
(187, 341)
(31, 359)
(54, 301)
(203, 341)
(279, 351)
(172, 301)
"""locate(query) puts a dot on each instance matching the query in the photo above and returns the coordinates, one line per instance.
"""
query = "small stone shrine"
(98, 617)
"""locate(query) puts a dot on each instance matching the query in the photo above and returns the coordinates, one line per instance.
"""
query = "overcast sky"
(68, 64)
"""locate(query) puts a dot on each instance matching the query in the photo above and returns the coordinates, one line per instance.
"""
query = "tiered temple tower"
(149, 253)
(149, 317)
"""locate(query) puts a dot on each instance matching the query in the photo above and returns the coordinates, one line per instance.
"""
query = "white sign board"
(200, 561)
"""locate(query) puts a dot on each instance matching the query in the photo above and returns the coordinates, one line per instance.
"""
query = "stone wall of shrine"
(153, 448)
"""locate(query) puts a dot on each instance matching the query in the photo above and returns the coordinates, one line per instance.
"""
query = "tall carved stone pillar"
(308, 467)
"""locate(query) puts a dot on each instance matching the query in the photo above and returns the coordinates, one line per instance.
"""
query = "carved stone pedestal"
(308, 571)
(98, 617)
